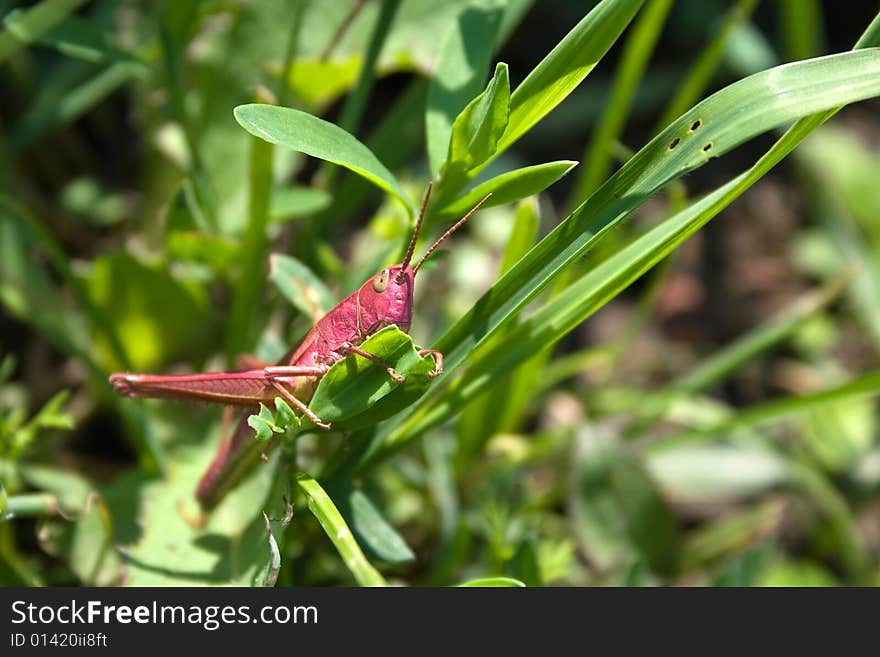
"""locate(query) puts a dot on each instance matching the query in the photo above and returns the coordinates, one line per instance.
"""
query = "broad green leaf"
(567, 65)
(263, 424)
(510, 186)
(171, 552)
(308, 134)
(459, 73)
(337, 531)
(493, 582)
(300, 286)
(478, 128)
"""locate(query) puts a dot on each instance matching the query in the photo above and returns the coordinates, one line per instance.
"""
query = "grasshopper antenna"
(412, 242)
(449, 232)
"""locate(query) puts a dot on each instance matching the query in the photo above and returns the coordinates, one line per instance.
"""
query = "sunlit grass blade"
(509, 187)
(609, 205)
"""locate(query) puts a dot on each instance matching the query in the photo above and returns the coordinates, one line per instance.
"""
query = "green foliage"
(550, 450)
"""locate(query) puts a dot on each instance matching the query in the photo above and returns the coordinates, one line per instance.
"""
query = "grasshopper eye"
(380, 280)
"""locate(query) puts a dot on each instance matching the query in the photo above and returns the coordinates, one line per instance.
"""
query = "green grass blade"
(461, 68)
(337, 531)
(308, 134)
(566, 66)
(25, 26)
(476, 131)
(638, 49)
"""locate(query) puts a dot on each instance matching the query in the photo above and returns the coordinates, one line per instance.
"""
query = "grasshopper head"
(387, 297)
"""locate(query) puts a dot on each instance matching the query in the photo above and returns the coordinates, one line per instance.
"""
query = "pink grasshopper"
(385, 299)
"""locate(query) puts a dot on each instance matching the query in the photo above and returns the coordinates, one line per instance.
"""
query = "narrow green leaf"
(308, 134)
(458, 76)
(478, 128)
(510, 187)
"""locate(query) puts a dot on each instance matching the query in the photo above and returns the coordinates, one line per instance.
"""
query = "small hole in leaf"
(696, 124)
(674, 143)
(707, 147)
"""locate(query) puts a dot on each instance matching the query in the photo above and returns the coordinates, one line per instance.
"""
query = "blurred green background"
(714, 424)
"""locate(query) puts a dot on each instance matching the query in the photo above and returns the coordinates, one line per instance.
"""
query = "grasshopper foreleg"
(276, 373)
(438, 361)
(288, 396)
(348, 348)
